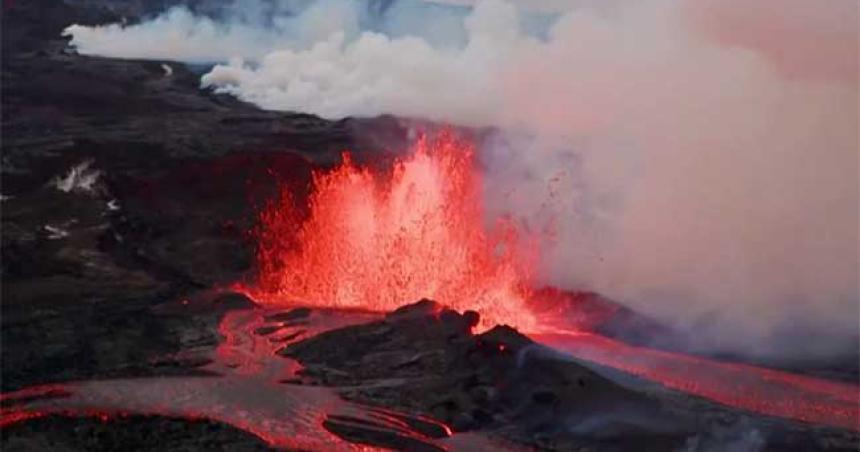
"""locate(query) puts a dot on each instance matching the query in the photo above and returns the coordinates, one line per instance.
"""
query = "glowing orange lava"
(377, 240)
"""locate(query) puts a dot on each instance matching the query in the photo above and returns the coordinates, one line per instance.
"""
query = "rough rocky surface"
(424, 358)
(133, 433)
(124, 188)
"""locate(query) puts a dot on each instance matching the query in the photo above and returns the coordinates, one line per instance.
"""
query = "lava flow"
(756, 389)
(244, 388)
(377, 241)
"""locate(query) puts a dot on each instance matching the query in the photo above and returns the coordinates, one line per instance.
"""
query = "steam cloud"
(695, 160)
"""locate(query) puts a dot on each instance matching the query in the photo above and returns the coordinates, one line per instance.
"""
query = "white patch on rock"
(55, 233)
(80, 178)
(168, 70)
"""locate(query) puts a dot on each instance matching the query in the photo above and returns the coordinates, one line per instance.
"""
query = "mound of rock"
(423, 358)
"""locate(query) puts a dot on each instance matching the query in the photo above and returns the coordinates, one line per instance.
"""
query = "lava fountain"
(376, 240)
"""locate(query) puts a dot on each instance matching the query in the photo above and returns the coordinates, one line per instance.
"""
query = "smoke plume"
(697, 161)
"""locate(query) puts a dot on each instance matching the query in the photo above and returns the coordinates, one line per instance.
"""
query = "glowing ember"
(378, 240)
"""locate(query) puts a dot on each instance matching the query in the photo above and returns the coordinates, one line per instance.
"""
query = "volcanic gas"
(377, 239)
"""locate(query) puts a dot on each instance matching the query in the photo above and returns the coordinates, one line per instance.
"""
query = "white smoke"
(695, 160)
(249, 30)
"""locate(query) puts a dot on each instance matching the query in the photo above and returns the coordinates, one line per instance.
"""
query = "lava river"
(246, 389)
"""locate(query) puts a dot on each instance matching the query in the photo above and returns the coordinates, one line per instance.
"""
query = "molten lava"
(376, 240)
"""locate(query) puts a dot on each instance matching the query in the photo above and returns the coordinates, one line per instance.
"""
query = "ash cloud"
(697, 161)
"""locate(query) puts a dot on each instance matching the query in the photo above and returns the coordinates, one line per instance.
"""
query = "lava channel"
(246, 390)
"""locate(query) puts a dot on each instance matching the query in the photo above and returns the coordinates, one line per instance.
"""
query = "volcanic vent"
(376, 239)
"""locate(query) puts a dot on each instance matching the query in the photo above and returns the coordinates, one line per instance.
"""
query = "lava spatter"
(377, 239)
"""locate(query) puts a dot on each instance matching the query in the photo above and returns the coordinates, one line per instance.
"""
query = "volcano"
(371, 240)
(182, 270)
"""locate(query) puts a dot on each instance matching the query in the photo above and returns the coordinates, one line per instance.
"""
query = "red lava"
(247, 394)
(760, 390)
(377, 240)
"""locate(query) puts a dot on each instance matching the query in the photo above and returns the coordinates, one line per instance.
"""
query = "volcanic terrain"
(132, 202)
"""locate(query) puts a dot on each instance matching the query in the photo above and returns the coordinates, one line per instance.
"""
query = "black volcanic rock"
(413, 360)
(364, 432)
(420, 308)
(179, 176)
(139, 433)
(502, 383)
(293, 315)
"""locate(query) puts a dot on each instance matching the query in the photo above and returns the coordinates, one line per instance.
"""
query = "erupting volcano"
(436, 225)
(375, 240)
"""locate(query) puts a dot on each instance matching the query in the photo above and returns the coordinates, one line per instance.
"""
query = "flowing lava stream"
(246, 391)
(379, 240)
(759, 390)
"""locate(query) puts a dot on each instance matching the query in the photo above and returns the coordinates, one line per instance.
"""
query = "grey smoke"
(695, 160)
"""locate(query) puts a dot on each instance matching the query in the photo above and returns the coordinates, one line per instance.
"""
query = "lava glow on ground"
(247, 393)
